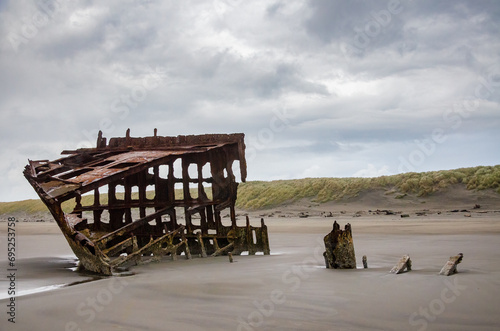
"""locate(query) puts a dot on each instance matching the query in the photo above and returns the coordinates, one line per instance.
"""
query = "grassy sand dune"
(256, 195)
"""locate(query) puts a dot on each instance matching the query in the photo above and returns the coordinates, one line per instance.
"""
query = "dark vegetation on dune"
(261, 194)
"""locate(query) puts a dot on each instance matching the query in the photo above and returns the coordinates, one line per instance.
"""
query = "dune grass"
(261, 194)
(257, 195)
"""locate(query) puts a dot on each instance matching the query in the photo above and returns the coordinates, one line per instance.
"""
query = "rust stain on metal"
(150, 197)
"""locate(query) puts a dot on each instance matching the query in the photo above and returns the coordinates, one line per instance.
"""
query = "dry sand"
(289, 290)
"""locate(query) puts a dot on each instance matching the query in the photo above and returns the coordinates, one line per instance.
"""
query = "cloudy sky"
(321, 88)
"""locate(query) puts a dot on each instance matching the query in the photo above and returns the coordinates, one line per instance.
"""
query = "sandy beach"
(289, 290)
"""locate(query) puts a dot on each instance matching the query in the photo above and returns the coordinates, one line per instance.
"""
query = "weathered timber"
(365, 262)
(403, 265)
(139, 186)
(450, 267)
(339, 248)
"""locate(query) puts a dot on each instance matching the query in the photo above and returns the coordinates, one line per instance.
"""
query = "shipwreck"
(132, 200)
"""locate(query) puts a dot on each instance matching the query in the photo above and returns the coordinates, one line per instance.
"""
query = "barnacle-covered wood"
(450, 267)
(139, 187)
(339, 248)
(404, 264)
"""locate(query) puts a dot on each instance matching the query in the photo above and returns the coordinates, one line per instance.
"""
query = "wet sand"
(289, 290)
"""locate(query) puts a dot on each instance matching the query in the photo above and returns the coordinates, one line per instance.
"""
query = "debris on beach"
(450, 267)
(339, 248)
(138, 188)
(404, 264)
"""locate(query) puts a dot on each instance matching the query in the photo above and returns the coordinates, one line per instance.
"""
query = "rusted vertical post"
(128, 198)
(111, 194)
(78, 206)
(185, 180)
(141, 181)
(174, 219)
(265, 238)
(156, 176)
(203, 221)
(249, 237)
(202, 245)
(187, 216)
(218, 221)
(233, 216)
(171, 182)
(187, 251)
(201, 191)
(97, 212)
(210, 217)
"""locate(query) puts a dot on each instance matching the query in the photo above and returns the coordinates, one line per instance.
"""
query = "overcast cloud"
(321, 88)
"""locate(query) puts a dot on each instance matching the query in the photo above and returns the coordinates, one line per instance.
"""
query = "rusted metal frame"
(73, 220)
(118, 247)
(210, 217)
(127, 198)
(115, 214)
(171, 180)
(151, 204)
(185, 179)
(96, 212)
(53, 171)
(187, 218)
(130, 227)
(264, 237)
(249, 237)
(201, 189)
(262, 240)
(207, 140)
(117, 176)
(171, 248)
(203, 221)
(223, 249)
(242, 159)
(142, 185)
(202, 245)
(41, 193)
(53, 165)
(187, 251)
(217, 163)
(34, 164)
(99, 150)
(218, 221)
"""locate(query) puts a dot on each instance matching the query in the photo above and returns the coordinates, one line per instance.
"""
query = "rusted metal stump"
(450, 267)
(403, 265)
(339, 248)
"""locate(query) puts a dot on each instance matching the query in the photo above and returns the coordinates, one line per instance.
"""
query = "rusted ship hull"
(134, 200)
